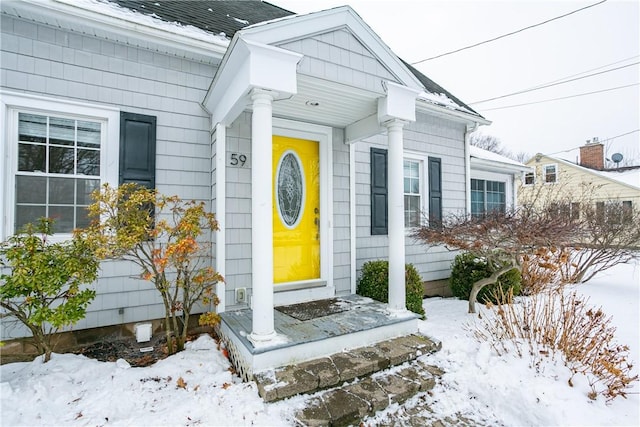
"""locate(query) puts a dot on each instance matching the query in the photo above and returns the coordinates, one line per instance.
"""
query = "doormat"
(314, 309)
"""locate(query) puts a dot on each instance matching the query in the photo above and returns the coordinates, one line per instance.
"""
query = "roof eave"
(498, 166)
(450, 113)
(138, 30)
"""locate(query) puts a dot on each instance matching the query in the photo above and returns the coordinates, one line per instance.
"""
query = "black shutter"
(138, 149)
(435, 192)
(379, 191)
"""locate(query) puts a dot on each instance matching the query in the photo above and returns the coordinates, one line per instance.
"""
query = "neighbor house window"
(487, 196)
(58, 168)
(412, 193)
(550, 173)
(614, 211)
(529, 178)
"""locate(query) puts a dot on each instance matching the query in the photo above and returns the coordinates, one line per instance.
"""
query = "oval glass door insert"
(290, 189)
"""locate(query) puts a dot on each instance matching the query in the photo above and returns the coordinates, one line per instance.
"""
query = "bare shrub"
(544, 270)
(555, 322)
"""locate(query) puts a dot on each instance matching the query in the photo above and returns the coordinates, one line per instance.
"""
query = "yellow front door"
(296, 210)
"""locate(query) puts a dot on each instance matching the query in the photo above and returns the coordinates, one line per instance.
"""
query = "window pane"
(32, 158)
(529, 178)
(27, 214)
(411, 211)
(88, 134)
(63, 216)
(407, 184)
(82, 217)
(89, 162)
(31, 189)
(84, 189)
(61, 131)
(61, 190)
(32, 128)
(61, 160)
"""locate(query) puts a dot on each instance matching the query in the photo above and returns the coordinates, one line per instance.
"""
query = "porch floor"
(311, 330)
(317, 321)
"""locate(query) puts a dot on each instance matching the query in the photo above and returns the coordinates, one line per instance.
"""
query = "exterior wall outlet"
(241, 295)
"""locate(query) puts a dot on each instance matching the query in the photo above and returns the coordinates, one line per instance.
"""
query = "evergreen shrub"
(374, 283)
(468, 269)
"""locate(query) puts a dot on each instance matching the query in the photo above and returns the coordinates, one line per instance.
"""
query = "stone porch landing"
(343, 323)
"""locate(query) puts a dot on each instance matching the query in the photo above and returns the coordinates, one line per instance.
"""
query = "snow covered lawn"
(195, 387)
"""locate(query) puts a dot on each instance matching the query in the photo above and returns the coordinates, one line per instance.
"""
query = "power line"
(552, 84)
(507, 35)
(587, 71)
(604, 140)
(563, 97)
(618, 136)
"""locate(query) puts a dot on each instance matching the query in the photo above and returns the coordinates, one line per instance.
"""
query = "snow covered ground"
(195, 387)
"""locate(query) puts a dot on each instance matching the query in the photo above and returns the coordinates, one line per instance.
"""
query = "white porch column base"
(395, 185)
(262, 217)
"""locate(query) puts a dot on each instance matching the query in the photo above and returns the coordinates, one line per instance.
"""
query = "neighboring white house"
(233, 103)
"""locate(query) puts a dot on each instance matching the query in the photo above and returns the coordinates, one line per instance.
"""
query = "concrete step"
(336, 369)
(350, 403)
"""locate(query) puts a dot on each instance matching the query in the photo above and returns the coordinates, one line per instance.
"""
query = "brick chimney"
(592, 155)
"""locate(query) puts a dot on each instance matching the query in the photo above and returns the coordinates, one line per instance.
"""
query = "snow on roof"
(629, 177)
(626, 176)
(164, 16)
(480, 153)
(113, 10)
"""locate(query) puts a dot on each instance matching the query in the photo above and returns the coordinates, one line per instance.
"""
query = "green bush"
(374, 280)
(467, 269)
(42, 284)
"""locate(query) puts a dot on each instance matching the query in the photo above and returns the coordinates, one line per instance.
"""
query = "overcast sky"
(596, 39)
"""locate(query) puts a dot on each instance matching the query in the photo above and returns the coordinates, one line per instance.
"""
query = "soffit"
(338, 105)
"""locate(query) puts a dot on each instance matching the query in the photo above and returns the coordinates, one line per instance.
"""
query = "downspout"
(467, 165)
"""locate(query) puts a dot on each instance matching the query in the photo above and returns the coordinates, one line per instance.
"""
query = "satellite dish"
(617, 158)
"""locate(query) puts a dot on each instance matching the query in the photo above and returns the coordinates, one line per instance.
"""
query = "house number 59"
(238, 160)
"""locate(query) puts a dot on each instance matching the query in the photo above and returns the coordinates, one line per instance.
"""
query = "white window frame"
(524, 179)
(421, 159)
(544, 173)
(11, 104)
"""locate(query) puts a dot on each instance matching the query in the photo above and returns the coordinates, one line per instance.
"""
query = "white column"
(262, 216)
(395, 188)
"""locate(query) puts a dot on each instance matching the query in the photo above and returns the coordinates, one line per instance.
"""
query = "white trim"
(352, 216)
(421, 159)
(296, 27)
(243, 69)
(11, 102)
(544, 174)
(221, 210)
(449, 113)
(507, 179)
(146, 29)
(324, 136)
(524, 177)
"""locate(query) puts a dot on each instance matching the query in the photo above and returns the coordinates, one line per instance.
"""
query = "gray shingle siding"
(52, 62)
(428, 136)
(341, 207)
(238, 212)
(339, 56)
